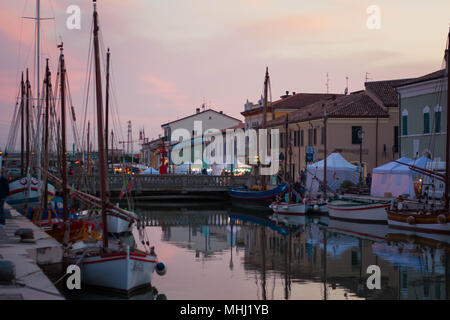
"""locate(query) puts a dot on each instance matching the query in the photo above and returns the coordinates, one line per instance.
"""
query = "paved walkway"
(31, 282)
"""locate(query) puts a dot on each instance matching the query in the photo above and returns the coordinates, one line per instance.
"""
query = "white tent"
(150, 170)
(338, 170)
(396, 178)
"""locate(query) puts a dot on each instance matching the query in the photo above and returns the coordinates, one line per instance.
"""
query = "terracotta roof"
(241, 125)
(355, 105)
(300, 100)
(385, 90)
(296, 101)
(192, 115)
(431, 76)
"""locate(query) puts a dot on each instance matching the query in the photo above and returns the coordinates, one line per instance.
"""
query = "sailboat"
(304, 204)
(427, 219)
(110, 264)
(25, 191)
(259, 195)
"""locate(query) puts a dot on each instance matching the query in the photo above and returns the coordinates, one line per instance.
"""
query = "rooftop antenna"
(328, 83)
(346, 86)
(204, 104)
(367, 76)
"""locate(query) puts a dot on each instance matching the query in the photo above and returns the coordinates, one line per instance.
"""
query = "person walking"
(4, 191)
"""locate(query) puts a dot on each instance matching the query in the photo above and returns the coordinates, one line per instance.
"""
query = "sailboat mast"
(107, 102)
(266, 87)
(38, 60)
(112, 150)
(46, 151)
(447, 158)
(88, 167)
(101, 140)
(63, 129)
(27, 120)
(22, 136)
(325, 154)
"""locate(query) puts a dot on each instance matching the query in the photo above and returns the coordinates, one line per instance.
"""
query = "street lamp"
(360, 137)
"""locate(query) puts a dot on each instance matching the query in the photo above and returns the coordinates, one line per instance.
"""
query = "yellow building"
(373, 110)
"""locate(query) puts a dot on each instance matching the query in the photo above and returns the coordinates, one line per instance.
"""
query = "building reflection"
(309, 252)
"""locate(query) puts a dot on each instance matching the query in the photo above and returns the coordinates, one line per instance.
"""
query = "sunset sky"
(168, 56)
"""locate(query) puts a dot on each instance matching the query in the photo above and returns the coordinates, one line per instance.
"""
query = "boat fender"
(161, 268)
(442, 219)
(411, 220)
(316, 207)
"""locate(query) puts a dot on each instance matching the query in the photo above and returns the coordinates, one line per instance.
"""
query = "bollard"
(26, 235)
(7, 273)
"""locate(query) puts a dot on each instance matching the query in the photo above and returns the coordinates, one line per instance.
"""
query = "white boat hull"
(121, 271)
(299, 208)
(22, 192)
(375, 213)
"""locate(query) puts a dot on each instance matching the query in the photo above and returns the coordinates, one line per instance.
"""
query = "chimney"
(293, 93)
(286, 95)
(197, 110)
(221, 112)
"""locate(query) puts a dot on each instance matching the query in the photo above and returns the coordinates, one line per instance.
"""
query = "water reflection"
(219, 253)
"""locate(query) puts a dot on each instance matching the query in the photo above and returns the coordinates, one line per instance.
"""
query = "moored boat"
(124, 270)
(301, 208)
(358, 210)
(263, 197)
(420, 221)
(25, 191)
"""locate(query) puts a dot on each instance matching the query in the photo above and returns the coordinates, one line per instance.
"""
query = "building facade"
(373, 110)
(423, 114)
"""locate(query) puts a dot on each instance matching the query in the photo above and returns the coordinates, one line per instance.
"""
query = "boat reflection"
(257, 256)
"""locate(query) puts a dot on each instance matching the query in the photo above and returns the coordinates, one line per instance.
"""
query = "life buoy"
(411, 220)
(23, 181)
(442, 219)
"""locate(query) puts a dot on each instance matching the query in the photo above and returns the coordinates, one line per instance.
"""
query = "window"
(405, 122)
(295, 138)
(322, 135)
(426, 120)
(395, 139)
(309, 137)
(315, 136)
(302, 138)
(355, 137)
(282, 140)
(437, 118)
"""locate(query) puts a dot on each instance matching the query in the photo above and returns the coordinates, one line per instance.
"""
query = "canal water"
(232, 253)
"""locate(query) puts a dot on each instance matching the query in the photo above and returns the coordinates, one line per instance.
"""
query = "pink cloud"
(156, 86)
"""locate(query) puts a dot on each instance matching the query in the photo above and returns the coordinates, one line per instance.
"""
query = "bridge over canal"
(162, 184)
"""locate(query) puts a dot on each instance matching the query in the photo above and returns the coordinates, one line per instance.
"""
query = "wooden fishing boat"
(20, 193)
(110, 264)
(261, 197)
(122, 269)
(302, 208)
(358, 210)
